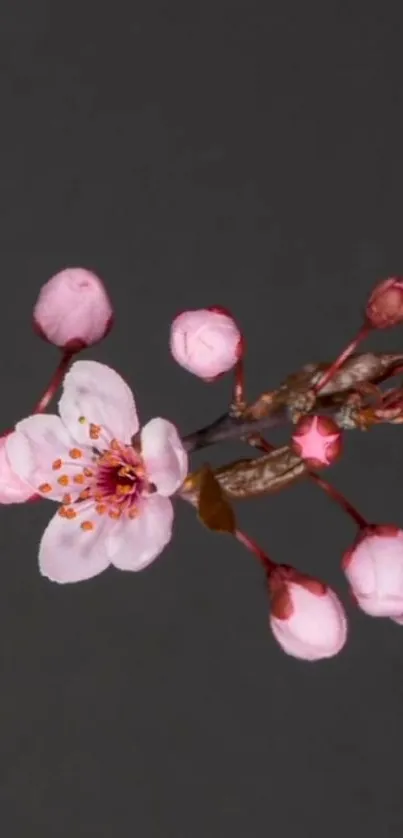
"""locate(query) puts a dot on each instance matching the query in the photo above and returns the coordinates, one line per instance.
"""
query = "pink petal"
(165, 458)
(12, 489)
(32, 449)
(67, 553)
(133, 543)
(99, 394)
(316, 629)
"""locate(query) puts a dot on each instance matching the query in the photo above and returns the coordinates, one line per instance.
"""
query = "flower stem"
(258, 442)
(341, 500)
(254, 548)
(238, 401)
(54, 383)
(352, 346)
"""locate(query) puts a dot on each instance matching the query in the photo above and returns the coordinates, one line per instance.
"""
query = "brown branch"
(277, 407)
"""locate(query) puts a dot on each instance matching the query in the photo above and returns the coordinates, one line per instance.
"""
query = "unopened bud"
(73, 310)
(317, 440)
(385, 305)
(206, 342)
(374, 569)
(306, 618)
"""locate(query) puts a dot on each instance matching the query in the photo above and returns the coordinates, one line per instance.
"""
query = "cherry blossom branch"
(340, 398)
(96, 452)
(258, 442)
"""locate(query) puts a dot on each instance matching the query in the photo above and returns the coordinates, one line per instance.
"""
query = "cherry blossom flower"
(113, 481)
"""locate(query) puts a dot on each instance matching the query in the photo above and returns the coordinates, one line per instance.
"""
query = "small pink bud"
(374, 569)
(73, 310)
(12, 489)
(317, 440)
(385, 305)
(307, 618)
(206, 342)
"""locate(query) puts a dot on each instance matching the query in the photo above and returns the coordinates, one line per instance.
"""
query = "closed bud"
(12, 489)
(374, 569)
(306, 618)
(73, 310)
(317, 440)
(206, 342)
(385, 305)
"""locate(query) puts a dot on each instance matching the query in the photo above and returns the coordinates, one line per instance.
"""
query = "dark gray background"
(248, 154)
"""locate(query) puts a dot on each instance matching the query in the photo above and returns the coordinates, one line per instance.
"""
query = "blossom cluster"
(115, 480)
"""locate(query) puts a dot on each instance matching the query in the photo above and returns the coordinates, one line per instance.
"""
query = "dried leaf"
(214, 509)
(357, 369)
(262, 476)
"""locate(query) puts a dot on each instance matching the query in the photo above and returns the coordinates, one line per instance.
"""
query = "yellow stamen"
(75, 453)
(133, 512)
(123, 490)
(88, 472)
(87, 526)
(45, 487)
(101, 508)
(57, 464)
(82, 420)
(114, 513)
(67, 512)
(79, 478)
(67, 499)
(95, 431)
(63, 480)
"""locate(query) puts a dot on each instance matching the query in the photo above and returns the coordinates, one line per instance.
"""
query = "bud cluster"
(101, 466)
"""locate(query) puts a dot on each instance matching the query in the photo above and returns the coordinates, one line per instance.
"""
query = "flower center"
(114, 481)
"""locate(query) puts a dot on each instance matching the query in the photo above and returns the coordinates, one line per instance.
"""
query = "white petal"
(34, 446)
(165, 458)
(99, 394)
(69, 554)
(134, 543)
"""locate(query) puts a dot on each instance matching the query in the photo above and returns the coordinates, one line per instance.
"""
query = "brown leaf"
(214, 509)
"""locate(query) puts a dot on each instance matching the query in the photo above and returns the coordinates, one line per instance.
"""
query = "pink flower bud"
(317, 440)
(12, 489)
(206, 342)
(374, 569)
(73, 310)
(385, 305)
(307, 618)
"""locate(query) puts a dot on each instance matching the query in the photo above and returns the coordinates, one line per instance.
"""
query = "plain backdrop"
(246, 153)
